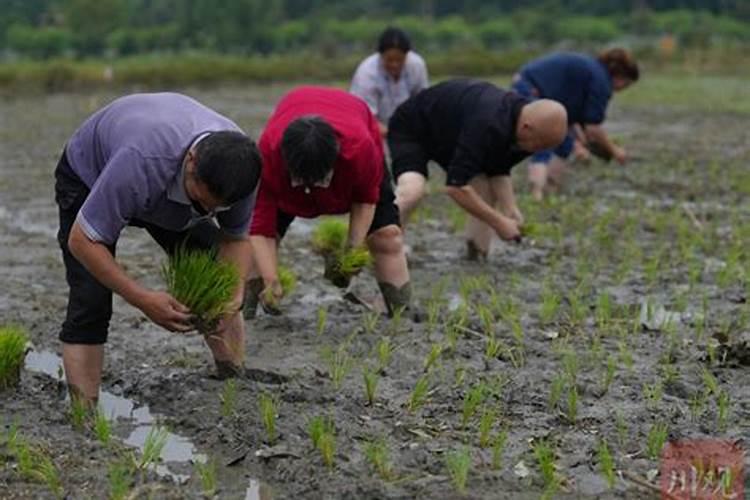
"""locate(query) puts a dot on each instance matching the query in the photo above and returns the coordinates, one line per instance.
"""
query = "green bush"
(39, 43)
(588, 29)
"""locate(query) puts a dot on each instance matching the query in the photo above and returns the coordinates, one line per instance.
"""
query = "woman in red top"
(322, 154)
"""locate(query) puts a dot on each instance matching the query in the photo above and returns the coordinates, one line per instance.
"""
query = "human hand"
(165, 311)
(581, 153)
(271, 296)
(620, 155)
(508, 229)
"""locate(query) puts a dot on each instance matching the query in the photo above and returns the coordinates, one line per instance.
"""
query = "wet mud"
(664, 240)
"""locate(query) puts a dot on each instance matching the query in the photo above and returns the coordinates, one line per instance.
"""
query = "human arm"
(595, 133)
(467, 198)
(360, 219)
(159, 307)
(502, 188)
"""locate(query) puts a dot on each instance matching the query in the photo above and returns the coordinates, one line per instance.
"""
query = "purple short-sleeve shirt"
(130, 154)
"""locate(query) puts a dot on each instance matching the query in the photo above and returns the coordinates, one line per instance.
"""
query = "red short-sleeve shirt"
(358, 170)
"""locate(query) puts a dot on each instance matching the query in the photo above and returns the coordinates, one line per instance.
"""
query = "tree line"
(52, 28)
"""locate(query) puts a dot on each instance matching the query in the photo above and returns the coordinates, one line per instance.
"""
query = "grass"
(458, 463)
(207, 475)
(228, 397)
(378, 455)
(12, 352)
(102, 427)
(418, 395)
(545, 458)
(268, 407)
(203, 284)
(606, 463)
(370, 378)
(153, 446)
(322, 433)
(655, 440)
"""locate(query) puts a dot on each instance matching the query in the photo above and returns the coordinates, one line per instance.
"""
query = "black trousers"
(89, 302)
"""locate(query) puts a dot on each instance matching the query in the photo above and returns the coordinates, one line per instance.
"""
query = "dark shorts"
(527, 89)
(407, 152)
(89, 302)
(386, 211)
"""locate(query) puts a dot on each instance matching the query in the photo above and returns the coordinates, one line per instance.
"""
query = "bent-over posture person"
(390, 76)
(476, 132)
(323, 154)
(168, 164)
(584, 85)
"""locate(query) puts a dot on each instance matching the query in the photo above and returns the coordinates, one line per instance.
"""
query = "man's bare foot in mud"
(474, 253)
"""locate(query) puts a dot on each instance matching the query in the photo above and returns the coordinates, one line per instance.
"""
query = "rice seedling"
(723, 406)
(550, 304)
(603, 310)
(710, 383)
(47, 473)
(327, 448)
(287, 279)
(459, 375)
(339, 364)
(653, 393)
(432, 357)
(102, 427)
(384, 350)
(34, 464)
(207, 475)
(330, 235)
(498, 446)
(353, 260)
(268, 407)
(669, 373)
(493, 348)
(370, 322)
(153, 446)
(370, 378)
(472, 400)
(556, 390)
(578, 309)
(606, 462)
(697, 404)
(12, 351)
(433, 315)
(377, 453)
(322, 319)
(458, 463)
(203, 284)
(609, 374)
(545, 457)
(626, 355)
(571, 412)
(120, 478)
(80, 411)
(623, 433)
(317, 427)
(419, 393)
(485, 426)
(655, 440)
(228, 397)
(570, 365)
(487, 319)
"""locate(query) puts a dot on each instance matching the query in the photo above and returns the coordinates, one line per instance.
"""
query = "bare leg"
(537, 180)
(227, 344)
(410, 188)
(391, 271)
(557, 169)
(83, 365)
(479, 234)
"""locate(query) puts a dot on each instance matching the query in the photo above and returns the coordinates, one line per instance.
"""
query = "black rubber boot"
(474, 253)
(227, 369)
(396, 298)
(252, 297)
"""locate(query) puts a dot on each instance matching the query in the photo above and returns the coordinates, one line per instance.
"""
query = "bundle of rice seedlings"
(288, 282)
(12, 352)
(330, 236)
(330, 240)
(202, 283)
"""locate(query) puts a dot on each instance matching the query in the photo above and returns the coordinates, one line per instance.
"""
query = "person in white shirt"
(390, 76)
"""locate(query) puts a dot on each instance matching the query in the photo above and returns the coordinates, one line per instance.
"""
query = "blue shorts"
(527, 89)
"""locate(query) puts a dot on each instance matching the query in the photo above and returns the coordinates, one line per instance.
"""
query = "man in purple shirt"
(168, 164)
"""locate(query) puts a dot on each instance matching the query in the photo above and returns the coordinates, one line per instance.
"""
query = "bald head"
(541, 125)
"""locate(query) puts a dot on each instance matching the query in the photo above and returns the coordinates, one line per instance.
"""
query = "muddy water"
(150, 372)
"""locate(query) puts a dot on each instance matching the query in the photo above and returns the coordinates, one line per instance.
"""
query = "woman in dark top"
(584, 85)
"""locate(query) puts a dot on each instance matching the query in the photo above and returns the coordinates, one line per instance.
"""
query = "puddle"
(258, 491)
(177, 450)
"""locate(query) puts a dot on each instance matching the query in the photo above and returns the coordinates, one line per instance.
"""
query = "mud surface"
(649, 265)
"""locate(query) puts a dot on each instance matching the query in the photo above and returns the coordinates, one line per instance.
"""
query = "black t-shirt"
(468, 127)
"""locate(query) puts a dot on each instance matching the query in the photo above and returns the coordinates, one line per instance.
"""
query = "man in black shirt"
(476, 132)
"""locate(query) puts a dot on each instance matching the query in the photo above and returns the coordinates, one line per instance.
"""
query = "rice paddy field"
(558, 369)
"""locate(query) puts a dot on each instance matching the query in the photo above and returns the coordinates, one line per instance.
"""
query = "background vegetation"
(163, 42)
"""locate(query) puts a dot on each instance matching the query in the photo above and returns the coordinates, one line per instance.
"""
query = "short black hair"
(394, 38)
(310, 148)
(229, 163)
